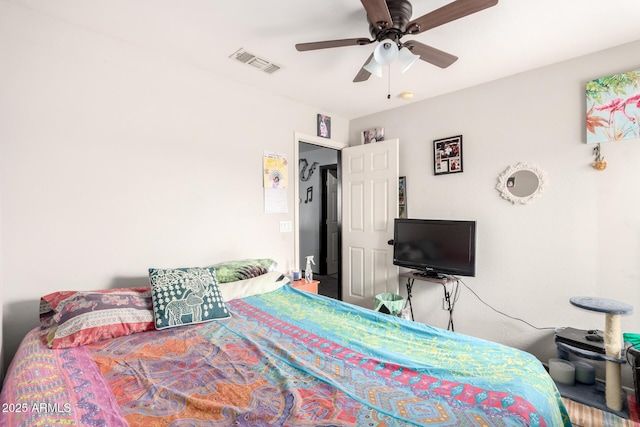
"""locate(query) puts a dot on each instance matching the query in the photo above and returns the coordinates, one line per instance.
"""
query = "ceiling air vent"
(271, 68)
(248, 58)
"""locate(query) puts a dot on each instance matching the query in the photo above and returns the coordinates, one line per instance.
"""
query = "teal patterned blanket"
(284, 358)
(413, 372)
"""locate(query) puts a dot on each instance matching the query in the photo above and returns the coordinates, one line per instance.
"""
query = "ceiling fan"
(389, 21)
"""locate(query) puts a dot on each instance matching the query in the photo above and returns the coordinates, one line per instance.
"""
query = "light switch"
(285, 226)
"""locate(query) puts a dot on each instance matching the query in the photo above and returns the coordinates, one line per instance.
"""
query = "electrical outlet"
(286, 226)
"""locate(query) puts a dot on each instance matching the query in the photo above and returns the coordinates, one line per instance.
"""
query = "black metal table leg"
(409, 286)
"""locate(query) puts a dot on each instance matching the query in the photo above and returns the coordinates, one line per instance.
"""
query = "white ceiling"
(511, 37)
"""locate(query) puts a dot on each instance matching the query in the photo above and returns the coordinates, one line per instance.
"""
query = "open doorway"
(319, 214)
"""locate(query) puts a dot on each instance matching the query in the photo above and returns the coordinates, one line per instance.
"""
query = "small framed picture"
(324, 126)
(402, 197)
(447, 155)
(372, 135)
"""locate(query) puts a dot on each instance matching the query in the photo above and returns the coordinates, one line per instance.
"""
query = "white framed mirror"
(521, 183)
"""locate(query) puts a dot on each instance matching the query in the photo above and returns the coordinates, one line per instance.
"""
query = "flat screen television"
(435, 247)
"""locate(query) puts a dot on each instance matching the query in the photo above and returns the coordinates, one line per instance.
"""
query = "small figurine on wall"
(599, 164)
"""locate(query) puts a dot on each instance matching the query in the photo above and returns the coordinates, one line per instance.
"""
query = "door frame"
(299, 137)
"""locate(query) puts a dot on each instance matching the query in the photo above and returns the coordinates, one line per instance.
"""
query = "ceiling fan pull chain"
(389, 83)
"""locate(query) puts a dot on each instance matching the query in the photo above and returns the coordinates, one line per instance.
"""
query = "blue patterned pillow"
(183, 296)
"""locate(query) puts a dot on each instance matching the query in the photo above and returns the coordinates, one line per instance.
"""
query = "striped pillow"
(75, 318)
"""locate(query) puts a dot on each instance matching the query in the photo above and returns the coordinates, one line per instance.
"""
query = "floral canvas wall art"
(613, 108)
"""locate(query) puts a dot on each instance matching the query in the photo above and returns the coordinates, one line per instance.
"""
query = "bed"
(283, 357)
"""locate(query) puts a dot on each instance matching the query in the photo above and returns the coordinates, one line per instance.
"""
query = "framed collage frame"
(447, 155)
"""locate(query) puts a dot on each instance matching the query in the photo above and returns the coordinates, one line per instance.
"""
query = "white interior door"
(333, 223)
(370, 204)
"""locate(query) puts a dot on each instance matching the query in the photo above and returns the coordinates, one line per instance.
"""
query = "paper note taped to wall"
(275, 200)
(276, 170)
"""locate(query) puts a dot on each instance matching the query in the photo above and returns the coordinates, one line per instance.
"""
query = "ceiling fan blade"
(363, 74)
(332, 43)
(450, 12)
(378, 13)
(431, 54)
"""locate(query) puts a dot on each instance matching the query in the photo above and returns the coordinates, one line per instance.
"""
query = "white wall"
(311, 213)
(581, 237)
(116, 159)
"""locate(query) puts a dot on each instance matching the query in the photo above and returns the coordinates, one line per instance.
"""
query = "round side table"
(612, 342)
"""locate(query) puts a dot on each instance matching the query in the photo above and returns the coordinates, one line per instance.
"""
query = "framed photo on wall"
(402, 197)
(372, 135)
(324, 126)
(447, 155)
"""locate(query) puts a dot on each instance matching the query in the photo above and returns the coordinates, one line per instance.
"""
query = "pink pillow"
(74, 318)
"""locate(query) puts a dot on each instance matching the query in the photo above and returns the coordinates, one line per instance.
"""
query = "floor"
(587, 416)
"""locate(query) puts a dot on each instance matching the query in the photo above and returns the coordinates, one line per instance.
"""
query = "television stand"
(424, 276)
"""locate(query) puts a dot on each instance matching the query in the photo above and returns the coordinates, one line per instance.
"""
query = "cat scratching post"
(612, 348)
(612, 343)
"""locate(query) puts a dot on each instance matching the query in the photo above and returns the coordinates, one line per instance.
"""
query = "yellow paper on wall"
(276, 170)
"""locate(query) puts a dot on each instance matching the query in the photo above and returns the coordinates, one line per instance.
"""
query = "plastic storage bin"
(562, 371)
(389, 303)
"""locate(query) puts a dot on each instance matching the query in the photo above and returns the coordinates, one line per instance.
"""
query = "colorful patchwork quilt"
(283, 358)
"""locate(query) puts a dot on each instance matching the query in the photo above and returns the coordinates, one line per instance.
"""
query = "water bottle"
(308, 272)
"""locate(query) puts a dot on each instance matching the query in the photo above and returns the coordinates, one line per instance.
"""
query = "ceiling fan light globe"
(374, 68)
(386, 52)
(406, 59)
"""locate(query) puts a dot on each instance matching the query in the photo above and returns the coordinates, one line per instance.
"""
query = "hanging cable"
(498, 311)
(389, 82)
